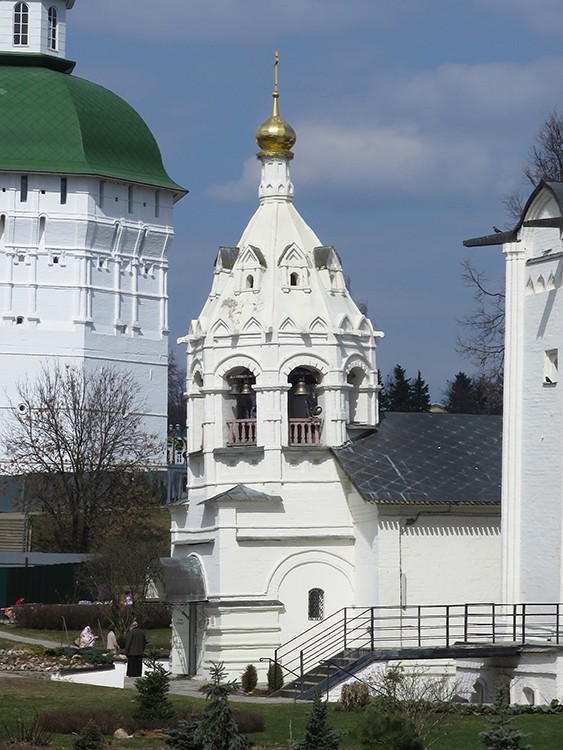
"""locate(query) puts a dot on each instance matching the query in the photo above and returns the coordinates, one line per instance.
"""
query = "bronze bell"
(301, 388)
(246, 389)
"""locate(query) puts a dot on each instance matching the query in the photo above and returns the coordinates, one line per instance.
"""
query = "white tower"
(85, 217)
(532, 500)
(281, 363)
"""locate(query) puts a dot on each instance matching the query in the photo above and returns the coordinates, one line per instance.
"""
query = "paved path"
(9, 636)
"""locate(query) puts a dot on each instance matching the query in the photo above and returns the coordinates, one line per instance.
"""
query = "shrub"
(392, 731)
(98, 657)
(249, 679)
(354, 695)
(149, 615)
(275, 677)
(152, 698)
(108, 720)
(72, 722)
(33, 734)
(183, 736)
(500, 734)
(90, 738)
(248, 722)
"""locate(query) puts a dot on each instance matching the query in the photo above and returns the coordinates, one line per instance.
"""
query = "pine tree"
(398, 391)
(152, 698)
(383, 398)
(318, 735)
(501, 735)
(461, 396)
(217, 729)
(419, 396)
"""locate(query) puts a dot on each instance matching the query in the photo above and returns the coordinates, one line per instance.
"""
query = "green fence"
(45, 584)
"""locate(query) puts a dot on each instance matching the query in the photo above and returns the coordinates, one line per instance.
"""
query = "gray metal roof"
(31, 559)
(183, 580)
(427, 458)
(242, 493)
(228, 256)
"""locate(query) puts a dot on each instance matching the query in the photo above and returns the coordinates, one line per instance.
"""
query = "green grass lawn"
(157, 638)
(27, 697)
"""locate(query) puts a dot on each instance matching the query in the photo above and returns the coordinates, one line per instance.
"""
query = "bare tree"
(483, 342)
(117, 568)
(545, 162)
(176, 388)
(77, 437)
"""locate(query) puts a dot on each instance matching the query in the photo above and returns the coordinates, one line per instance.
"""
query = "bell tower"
(281, 368)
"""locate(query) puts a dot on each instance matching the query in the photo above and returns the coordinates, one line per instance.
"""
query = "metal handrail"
(371, 628)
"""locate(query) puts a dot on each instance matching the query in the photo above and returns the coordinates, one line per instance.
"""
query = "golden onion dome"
(275, 137)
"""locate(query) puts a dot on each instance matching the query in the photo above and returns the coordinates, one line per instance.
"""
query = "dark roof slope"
(427, 458)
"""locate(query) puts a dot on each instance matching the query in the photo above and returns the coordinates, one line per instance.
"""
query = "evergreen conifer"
(217, 729)
(318, 734)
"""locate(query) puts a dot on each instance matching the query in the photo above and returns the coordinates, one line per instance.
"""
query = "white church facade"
(303, 499)
(85, 218)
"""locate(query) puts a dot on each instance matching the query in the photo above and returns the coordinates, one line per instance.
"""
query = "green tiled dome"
(51, 121)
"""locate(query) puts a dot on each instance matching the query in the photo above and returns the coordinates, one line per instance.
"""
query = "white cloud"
(493, 90)
(376, 159)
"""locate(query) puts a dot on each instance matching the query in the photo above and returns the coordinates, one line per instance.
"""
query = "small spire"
(275, 137)
(275, 94)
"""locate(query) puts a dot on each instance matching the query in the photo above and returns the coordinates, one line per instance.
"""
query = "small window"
(316, 604)
(294, 279)
(157, 203)
(147, 268)
(130, 199)
(250, 281)
(21, 24)
(23, 189)
(551, 367)
(55, 260)
(53, 29)
(19, 320)
(64, 190)
(101, 262)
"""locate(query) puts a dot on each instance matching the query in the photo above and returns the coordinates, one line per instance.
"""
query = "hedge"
(149, 615)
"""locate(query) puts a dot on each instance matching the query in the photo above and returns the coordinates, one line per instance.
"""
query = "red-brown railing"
(241, 432)
(305, 431)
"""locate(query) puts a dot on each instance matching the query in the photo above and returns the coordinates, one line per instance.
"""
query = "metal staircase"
(350, 639)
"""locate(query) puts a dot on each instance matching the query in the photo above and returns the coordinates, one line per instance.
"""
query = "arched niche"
(239, 407)
(304, 409)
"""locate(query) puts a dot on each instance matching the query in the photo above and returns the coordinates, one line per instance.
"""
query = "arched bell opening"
(304, 409)
(241, 408)
(358, 397)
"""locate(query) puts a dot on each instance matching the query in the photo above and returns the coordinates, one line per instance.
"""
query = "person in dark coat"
(135, 643)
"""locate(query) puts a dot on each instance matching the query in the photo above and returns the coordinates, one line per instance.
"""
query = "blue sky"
(413, 121)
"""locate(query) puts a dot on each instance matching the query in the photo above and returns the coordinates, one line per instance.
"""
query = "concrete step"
(12, 531)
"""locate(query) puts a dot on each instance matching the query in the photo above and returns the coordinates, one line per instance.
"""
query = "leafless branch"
(483, 343)
(77, 437)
